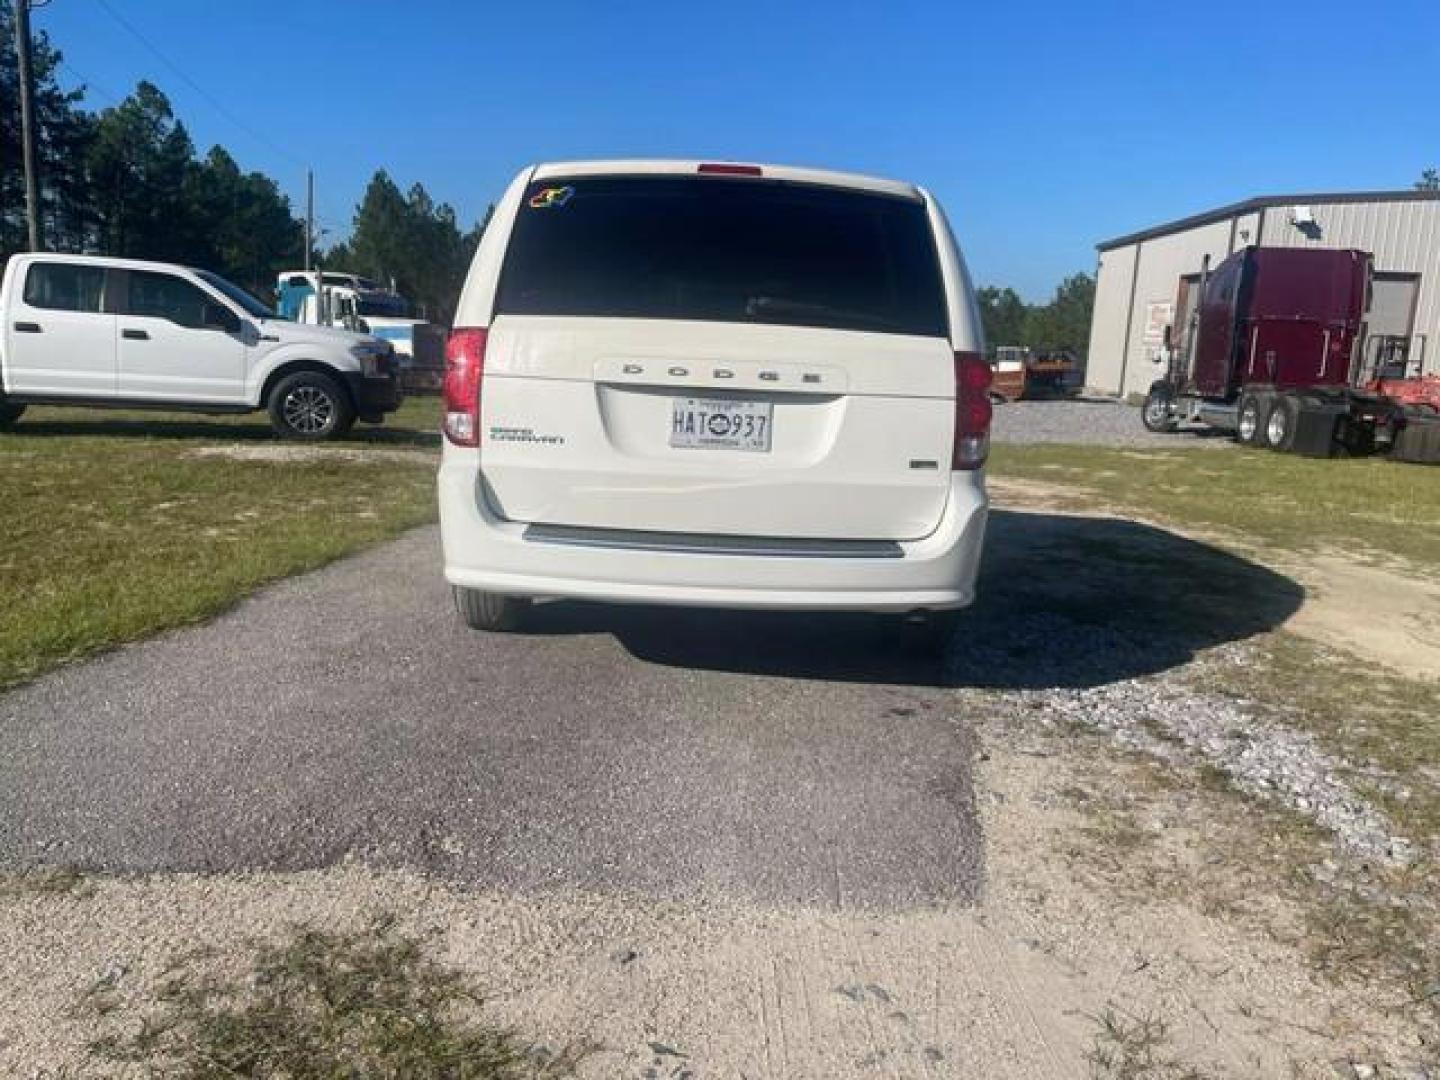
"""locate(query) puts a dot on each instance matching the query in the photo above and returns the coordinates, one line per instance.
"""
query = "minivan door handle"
(135, 335)
(28, 328)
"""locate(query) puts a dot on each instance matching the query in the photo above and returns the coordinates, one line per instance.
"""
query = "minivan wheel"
(10, 413)
(310, 406)
(928, 634)
(489, 611)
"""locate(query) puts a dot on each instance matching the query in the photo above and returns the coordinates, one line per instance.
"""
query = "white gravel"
(1165, 718)
(1089, 421)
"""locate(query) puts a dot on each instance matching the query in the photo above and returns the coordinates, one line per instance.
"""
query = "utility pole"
(27, 121)
(309, 215)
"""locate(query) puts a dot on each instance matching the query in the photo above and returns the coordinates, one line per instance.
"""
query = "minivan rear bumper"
(485, 552)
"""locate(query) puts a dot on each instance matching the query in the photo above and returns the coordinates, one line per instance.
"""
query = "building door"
(1390, 352)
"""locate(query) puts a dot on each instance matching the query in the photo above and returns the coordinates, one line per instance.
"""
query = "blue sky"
(1043, 127)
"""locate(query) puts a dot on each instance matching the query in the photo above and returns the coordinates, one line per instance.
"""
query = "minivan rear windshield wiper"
(757, 307)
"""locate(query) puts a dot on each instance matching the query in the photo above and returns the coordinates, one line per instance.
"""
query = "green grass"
(1290, 502)
(116, 526)
(322, 1005)
(1134, 1048)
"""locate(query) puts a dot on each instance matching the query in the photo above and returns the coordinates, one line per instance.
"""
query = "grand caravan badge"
(545, 198)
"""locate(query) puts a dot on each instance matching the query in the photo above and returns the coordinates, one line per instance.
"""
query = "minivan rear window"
(726, 249)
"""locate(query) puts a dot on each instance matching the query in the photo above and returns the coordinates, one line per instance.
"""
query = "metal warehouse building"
(1150, 279)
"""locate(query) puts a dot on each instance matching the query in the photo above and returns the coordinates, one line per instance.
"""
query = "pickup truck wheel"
(310, 406)
(1158, 413)
(9, 414)
(1281, 425)
(1250, 420)
(490, 611)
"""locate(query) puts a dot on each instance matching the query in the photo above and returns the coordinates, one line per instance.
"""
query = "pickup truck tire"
(310, 406)
(489, 611)
(9, 414)
(1157, 414)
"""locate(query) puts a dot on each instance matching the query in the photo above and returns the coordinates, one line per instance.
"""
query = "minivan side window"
(165, 296)
(64, 286)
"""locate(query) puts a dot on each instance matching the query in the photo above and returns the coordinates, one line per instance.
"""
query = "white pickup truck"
(119, 333)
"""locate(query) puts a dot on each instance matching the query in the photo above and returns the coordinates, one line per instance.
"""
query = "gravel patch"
(290, 453)
(1169, 721)
(1090, 422)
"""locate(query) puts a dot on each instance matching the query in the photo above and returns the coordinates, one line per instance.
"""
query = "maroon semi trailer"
(1274, 352)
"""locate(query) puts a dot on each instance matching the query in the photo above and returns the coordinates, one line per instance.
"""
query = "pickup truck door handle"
(135, 335)
(28, 327)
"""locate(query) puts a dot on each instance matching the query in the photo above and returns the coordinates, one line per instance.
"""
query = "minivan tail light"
(973, 411)
(721, 168)
(460, 388)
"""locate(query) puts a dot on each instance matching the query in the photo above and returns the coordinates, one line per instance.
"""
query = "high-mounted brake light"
(460, 389)
(973, 411)
(720, 168)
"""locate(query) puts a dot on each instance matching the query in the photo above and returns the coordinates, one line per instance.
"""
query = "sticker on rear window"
(551, 196)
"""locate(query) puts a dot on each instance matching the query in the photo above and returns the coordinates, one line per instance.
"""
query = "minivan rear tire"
(491, 612)
(927, 635)
(9, 414)
(311, 407)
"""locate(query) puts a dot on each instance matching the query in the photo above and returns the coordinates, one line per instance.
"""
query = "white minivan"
(122, 333)
(745, 386)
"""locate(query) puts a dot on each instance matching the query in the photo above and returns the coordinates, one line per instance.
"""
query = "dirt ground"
(1013, 988)
(1389, 614)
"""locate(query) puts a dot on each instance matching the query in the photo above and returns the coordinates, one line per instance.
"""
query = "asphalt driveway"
(783, 759)
(348, 714)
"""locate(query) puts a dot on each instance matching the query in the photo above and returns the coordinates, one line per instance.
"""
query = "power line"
(88, 84)
(214, 102)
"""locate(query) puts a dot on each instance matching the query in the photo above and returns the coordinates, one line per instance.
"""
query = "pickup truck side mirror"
(220, 317)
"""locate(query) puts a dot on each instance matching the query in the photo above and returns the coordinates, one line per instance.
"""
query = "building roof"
(1224, 213)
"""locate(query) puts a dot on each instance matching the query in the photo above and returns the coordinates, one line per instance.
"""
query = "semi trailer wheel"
(1158, 413)
(1250, 421)
(1418, 441)
(1280, 427)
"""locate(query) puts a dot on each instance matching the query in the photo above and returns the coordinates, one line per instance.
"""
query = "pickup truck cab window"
(64, 287)
(165, 296)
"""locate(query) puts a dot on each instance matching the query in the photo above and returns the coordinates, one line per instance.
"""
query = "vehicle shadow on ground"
(199, 428)
(1064, 602)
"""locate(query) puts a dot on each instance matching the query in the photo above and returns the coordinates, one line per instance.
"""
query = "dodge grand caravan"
(714, 384)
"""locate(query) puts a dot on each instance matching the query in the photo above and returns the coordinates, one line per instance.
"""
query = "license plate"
(721, 422)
